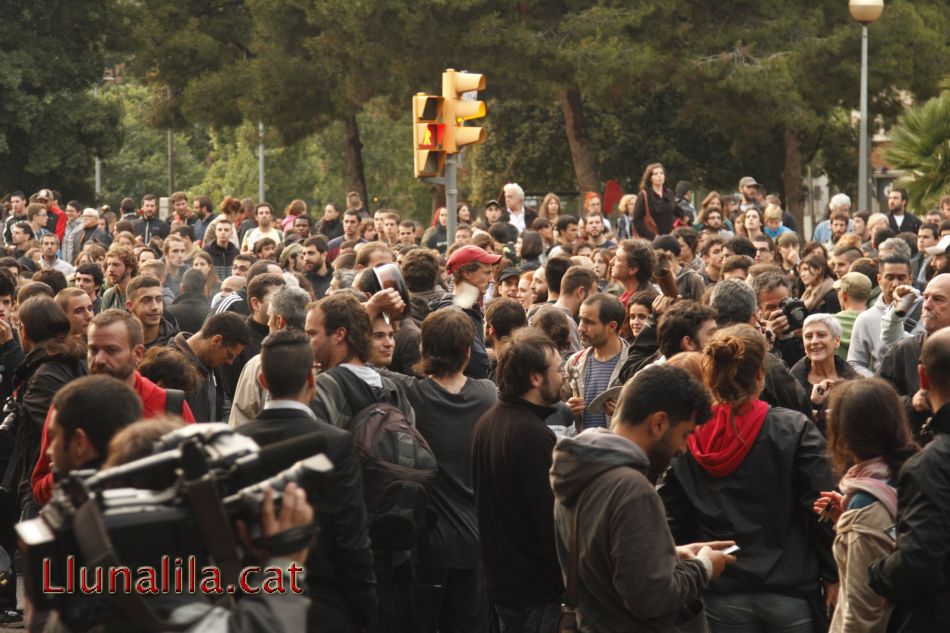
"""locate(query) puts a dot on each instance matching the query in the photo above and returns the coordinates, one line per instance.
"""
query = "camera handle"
(215, 527)
(96, 547)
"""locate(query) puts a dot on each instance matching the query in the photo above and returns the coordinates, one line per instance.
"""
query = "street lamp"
(865, 12)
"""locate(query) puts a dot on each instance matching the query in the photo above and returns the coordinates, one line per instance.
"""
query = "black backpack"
(398, 466)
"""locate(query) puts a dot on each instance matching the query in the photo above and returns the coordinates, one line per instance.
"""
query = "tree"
(51, 127)
(920, 145)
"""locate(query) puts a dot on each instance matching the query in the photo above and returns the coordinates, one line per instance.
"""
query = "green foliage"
(50, 126)
(920, 144)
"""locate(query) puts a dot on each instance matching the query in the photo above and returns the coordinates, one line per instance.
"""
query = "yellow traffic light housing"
(459, 109)
(428, 135)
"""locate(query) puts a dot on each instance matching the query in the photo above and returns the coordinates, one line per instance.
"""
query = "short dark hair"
(43, 319)
(609, 309)
(689, 236)
(554, 271)
(261, 244)
(170, 368)
(893, 258)
(565, 221)
(769, 281)
(734, 302)
(184, 231)
(683, 318)
(663, 388)
(53, 278)
(447, 337)
(132, 325)
(577, 277)
(93, 270)
(7, 284)
(740, 245)
(709, 243)
(420, 269)
(526, 354)
(737, 262)
(343, 310)
(286, 361)
(193, 282)
(80, 402)
(137, 283)
(317, 240)
(933, 228)
(260, 285)
(229, 326)
(504, 315)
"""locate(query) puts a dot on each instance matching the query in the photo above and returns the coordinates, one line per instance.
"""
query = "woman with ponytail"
(752, 474)
(868, 441)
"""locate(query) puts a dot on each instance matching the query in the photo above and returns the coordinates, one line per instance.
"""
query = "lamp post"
(865, 12)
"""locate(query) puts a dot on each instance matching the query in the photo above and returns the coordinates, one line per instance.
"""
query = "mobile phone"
(731, 550)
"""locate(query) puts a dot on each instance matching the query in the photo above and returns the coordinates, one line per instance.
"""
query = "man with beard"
(116, 347)
(314, 258)
(150, 225)
(597, 368)
(511, 458)
(120, 268)
(899, 218)
(610, 523)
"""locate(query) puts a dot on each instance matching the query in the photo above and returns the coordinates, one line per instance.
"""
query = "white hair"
(834, 327)
(515, 188)
(839, 201)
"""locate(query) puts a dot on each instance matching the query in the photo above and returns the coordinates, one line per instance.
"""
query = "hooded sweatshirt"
(721, 445)
(628, 577)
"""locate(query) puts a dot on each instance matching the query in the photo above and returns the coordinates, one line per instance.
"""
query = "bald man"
(899, 365)
(915, 577)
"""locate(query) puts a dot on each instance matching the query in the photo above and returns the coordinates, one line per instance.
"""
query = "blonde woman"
(625, 217)
(550, 208)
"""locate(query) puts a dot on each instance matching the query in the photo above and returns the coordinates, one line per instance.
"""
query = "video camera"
(179, 503)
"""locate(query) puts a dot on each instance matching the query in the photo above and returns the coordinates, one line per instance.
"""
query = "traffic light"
(428, 135)
(459, 108)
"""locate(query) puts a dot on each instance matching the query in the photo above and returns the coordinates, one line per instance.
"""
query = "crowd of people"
(663, 417)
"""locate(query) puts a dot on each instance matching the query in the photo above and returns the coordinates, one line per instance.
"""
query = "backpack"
(175, 402)
(398, 466)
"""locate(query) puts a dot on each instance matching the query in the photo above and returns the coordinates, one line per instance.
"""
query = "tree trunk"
(793, 177)
(355, 178)
(582, 146)
(438, 197)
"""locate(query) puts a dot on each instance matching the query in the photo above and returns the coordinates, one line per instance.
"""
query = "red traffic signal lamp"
(428, 135)
(457, 87)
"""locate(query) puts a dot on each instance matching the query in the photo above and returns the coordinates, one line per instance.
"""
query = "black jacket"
(222, 258)
(35, 382)
(478, 365)
(147, 229)
(511, 458)
(765, 505)
(800, 372)
(90, 235)
(916, 575)
(166, 332)
(190, 310)
(340, 566)
(899, 367)
(663, 210)
(329, 228)
(911, 223)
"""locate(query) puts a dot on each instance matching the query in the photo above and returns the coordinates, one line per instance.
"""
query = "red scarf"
(717, 448)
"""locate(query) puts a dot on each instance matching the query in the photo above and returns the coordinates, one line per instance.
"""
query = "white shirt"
(516, 219)
(289, 404)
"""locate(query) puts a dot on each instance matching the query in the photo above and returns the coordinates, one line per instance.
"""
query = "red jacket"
(58, 226)
(153, 404)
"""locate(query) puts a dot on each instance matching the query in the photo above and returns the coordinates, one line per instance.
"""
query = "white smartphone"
(731, 550)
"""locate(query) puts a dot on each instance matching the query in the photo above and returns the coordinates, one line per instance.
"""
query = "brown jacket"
(629, 578)
(860, 540)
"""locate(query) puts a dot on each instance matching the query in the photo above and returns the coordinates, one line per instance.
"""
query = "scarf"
(814, 295)
(870, 476)
(718, 448)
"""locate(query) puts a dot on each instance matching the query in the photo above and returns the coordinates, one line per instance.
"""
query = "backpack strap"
(175, 402)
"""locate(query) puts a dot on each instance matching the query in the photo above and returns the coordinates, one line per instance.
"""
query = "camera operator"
(772, 290)
(340, 568)
(78, 434)
(867, 349)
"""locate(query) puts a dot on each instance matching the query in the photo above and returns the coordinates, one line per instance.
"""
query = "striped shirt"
(596, 382)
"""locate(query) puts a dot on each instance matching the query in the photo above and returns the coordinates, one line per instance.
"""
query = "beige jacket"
(861, 539)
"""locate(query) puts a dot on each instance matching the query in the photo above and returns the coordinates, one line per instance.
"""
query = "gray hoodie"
(628, 576)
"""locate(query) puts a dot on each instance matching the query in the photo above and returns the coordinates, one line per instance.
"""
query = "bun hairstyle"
(731, 362)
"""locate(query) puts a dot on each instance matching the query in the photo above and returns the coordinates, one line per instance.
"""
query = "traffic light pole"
(450, 182)
(451, 196)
